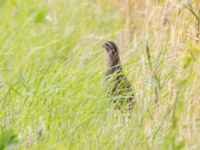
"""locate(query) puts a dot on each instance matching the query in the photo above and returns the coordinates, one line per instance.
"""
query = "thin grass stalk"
(196, 14)
(155, 76)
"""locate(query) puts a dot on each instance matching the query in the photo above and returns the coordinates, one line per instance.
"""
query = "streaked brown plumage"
(121, 89)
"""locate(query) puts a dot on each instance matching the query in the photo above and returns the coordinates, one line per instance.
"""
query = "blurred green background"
(52, 67)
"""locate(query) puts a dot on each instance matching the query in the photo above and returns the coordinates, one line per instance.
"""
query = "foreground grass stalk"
(156, 78)
(196, 14)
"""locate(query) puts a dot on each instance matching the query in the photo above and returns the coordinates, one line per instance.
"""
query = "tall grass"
(52, 66)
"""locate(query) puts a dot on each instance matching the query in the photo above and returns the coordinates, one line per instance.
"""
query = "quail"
(120, 88)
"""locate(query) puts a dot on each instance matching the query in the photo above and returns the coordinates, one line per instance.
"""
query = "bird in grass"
(120, 90)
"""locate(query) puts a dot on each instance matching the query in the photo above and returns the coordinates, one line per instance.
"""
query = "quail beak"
(106, 47)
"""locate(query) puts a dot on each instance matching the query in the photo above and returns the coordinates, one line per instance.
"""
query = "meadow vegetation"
(52, 64)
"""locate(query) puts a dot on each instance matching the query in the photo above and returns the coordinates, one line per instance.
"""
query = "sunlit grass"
(52, 65)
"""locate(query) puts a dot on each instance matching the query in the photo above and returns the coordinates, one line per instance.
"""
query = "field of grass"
(52, 65)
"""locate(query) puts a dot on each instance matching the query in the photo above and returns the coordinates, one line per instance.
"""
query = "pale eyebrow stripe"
(109, 45)
(112, 45)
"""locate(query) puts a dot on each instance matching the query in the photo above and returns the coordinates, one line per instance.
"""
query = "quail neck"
(114, 63)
